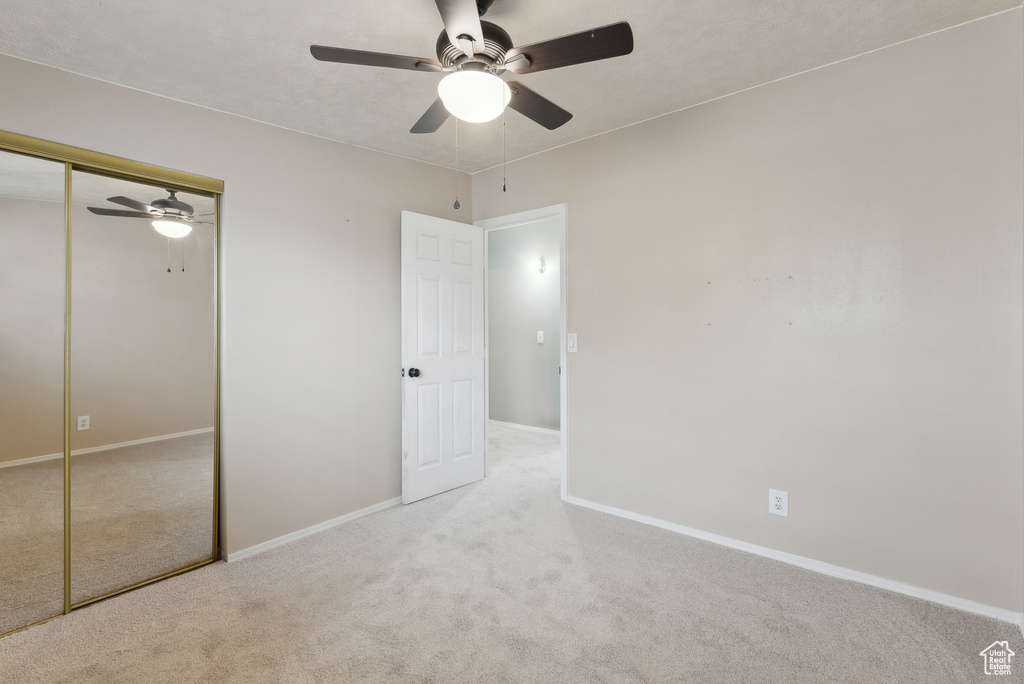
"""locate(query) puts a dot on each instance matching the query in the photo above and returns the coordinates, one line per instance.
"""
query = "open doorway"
(525, 323)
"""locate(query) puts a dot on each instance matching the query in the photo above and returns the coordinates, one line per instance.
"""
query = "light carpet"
(137, 512)
(501, 581)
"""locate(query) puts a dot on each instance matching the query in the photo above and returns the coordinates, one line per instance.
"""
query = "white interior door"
(443, 402)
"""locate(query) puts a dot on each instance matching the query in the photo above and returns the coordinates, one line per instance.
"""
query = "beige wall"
(32, 326)
(812, 286)
(143, 354)
(143, 357)
(522, 373)
(311, 360)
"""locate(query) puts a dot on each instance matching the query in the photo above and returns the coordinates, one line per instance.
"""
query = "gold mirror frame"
(79, 159)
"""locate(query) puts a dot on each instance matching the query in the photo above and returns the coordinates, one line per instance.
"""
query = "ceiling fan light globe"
(474, 96)
(172, 229)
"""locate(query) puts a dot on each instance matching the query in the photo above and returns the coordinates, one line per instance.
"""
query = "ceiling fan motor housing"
(174, 204)
(496, 43)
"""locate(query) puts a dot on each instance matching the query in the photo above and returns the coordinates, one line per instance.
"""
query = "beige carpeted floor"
(137, 512)
(502, 582)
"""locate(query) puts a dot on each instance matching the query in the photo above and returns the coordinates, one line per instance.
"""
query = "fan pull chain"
(457, 205)
(168, 255)
(503, 174)
(183, 255)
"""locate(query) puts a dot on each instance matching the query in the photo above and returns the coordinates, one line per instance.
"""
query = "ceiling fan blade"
(136, 205)
(462, 23)
(613, 40)
(377, 59)
(121, 212)
(432, 118)
(537, 107)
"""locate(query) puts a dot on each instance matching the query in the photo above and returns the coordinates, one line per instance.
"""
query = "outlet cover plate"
(83, 423)
(778, 502)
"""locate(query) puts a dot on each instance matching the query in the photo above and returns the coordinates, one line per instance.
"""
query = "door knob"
(414, 372)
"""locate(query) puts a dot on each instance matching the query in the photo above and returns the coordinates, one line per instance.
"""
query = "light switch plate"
(540, 337)
(571, 342)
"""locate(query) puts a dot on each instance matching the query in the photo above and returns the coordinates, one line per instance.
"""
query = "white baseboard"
(105, 447)
(816, 566)
(293, 536)
(526, 427)
(32, 459)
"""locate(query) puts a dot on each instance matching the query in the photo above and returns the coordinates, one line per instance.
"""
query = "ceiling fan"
(170, 216)
(475, 53)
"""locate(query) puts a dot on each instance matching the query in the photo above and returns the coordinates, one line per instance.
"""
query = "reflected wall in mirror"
(32, 304)
(143, 370)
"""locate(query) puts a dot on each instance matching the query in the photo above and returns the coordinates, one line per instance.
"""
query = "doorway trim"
(559, 213)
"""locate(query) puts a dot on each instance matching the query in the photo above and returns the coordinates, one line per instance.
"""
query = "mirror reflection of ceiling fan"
(475, 53)
(170, 216)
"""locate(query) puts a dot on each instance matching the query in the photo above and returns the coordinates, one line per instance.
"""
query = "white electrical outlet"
(83, 423)
(778, 502)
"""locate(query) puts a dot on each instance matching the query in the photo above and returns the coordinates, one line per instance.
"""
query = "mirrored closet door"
(143, 363)
(32, 298)
(108, 376)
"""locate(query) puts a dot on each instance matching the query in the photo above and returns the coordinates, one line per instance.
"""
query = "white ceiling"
(251, 58)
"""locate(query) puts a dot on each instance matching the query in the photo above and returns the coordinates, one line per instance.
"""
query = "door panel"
(462, 391)
(428, 419)
(442, 327)
(462, 313)
(428, 315)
